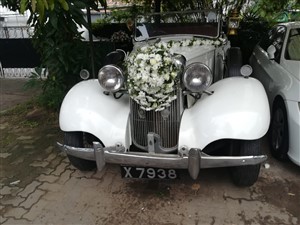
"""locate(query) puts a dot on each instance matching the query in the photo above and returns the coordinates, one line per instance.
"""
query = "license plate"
(148, 172)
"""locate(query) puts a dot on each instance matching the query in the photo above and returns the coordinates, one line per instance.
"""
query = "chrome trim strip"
(82, 153)
(193, 162)
(208, 161)
(147, 160)
(99, 156)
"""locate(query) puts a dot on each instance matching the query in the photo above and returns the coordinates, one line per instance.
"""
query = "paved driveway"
(39, 186)
(12, 92)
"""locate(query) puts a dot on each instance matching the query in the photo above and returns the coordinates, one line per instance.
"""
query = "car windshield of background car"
(196, 23)
(293, 45)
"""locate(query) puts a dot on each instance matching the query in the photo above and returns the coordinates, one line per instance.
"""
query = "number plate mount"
(148, 173)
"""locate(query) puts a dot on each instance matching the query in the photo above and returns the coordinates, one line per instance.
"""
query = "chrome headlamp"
(197, 77)
(111, 78)
(179, 61)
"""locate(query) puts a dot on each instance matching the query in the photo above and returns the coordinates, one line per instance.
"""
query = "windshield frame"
(217, 23)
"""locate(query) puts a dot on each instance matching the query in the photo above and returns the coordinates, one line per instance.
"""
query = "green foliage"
(13, 5)
(63, 70)
(35, 79)
(252, 29)
(273, 11)
(121, 16)
(181, 5)
(268, 8)
(62, 53)
(59, 44)
(64, 61)
(30, 124)
(115, 22)
(53, 93)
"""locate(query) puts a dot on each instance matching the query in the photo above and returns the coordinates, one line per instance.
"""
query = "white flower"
(144, 48)
(185, 43)
(176, 45)
(168, 59)
(153, 61)
(158, 57)
(166, 76)
(120, 36)
(152, 76)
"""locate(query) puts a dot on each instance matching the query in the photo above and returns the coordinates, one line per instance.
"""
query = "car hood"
(203, 53)
(191, 53)
(293, 67)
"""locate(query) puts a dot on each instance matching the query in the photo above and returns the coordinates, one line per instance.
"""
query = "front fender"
(238, 109)
(85, 108)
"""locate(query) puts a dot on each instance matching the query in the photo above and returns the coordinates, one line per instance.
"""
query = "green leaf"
(46, 4)
(51, 4)
(53, 20)
(40, 9)
(64, 5)
(23, 5)
(50, 33)
(33, 5)
(79, 4)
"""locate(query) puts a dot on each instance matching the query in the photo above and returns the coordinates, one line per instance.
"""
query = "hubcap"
(277, 128)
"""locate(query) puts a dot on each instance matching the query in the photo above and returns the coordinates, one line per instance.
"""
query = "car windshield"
(293, 45)
(196, 23)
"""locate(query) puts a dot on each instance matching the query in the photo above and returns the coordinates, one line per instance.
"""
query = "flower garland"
(152, 74)
(195, 42)
(120, 36)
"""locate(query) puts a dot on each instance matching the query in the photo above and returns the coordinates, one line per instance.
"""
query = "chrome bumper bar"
(193, 162)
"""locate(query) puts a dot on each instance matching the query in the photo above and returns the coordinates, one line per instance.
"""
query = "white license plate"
(148, 172)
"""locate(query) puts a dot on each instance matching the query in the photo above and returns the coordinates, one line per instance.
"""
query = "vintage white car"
(276, 63)
(180, 100)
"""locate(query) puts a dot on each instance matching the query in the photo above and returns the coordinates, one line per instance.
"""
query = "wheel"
(234, 62)
(79, 139)
(279, 135)
(245, 176)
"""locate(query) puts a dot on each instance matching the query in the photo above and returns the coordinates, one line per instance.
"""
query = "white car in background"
(276, 63)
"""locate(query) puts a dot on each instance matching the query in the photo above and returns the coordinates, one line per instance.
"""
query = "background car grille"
(167, 127)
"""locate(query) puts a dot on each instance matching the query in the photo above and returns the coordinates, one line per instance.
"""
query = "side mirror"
(271, 52)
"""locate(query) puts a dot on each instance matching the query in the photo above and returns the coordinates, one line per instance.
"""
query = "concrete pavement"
(12, 92)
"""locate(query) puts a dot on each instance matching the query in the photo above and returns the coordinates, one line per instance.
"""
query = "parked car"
(169, 104)
(276, 63)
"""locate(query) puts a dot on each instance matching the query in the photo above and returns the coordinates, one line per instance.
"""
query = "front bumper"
(195, 160)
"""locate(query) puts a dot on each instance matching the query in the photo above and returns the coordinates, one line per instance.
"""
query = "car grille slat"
(144, 122)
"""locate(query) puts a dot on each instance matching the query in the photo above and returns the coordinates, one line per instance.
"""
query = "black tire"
(234, 62)
(245, 176)
(76, 139)
(278, 134)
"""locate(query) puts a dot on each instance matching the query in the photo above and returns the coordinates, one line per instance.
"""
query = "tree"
(58, 41)
(180, 5)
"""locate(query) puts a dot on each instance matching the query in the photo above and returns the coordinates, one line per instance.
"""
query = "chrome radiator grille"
(166, 126)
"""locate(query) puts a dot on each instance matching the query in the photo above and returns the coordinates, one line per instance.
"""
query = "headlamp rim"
(195, 64)
(120, 71)
(84, 76)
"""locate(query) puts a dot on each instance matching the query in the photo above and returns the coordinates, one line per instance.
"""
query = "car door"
(269, 71)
